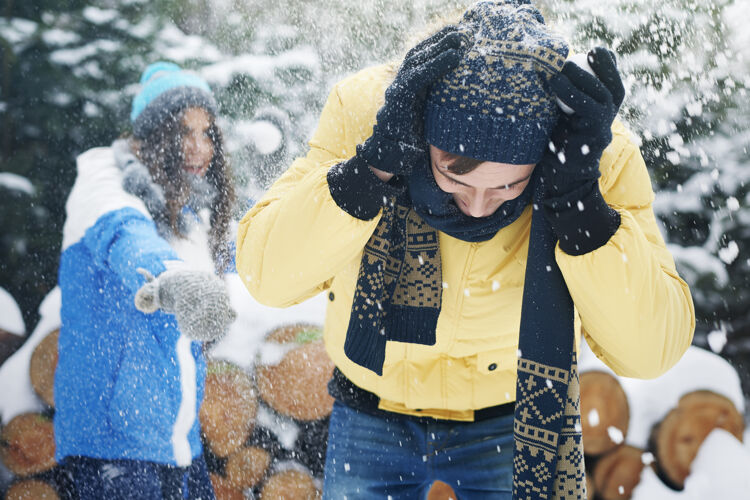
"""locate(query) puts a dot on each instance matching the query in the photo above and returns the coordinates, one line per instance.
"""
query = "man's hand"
(198, 299)
(574, 206)
(397, 142)
(579, 139)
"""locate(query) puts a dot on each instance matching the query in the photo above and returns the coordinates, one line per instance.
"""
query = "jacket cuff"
(581, 219)
(357, 190)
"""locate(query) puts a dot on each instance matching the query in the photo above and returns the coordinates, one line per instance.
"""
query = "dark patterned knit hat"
(166, 90)
(497, 104)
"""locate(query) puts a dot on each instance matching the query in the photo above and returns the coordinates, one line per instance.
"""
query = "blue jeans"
(96, 478)
(371, 457)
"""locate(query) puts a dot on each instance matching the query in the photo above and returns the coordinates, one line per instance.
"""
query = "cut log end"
(441, 491)
(227, 414)
(679, 436)
(292, 484)
(617, 473)
(31, 489)
(27, 444)
(297, 387)
(299, 333)
(42, 367)
(247, 466)
(605, 412)
(224, 490)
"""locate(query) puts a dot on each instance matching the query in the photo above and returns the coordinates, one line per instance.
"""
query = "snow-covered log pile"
(265, 429)
(677, 436)
(27, 444)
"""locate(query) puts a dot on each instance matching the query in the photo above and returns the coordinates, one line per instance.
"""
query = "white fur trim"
(97, 191)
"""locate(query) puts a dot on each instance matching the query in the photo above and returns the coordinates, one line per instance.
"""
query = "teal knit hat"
(497, 104)
(166, 90)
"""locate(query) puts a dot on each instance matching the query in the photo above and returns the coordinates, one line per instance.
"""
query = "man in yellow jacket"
(467, 231)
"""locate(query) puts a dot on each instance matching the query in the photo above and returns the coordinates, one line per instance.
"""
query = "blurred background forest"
(69, 68)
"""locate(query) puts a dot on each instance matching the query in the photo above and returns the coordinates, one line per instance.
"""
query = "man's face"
(479, 193)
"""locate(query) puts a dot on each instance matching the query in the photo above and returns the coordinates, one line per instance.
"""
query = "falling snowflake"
(729, 253)
(717, 339)
(732, 204)
(615, 435)
(593, 418)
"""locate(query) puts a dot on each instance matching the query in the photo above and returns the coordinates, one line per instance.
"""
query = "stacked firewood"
(627, 429)
(265, 432)
(27, 441)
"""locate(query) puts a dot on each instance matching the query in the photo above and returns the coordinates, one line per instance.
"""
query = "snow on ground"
(11, 319)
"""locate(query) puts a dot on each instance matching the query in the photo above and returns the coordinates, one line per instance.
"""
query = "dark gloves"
(397, 141)
(574, 205)
(198, 299)
(580, 138)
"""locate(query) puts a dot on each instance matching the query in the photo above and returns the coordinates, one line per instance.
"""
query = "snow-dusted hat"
(166, 90)
(496, 105)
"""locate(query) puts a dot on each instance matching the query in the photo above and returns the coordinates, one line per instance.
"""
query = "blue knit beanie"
(166, 90)
(497, 104)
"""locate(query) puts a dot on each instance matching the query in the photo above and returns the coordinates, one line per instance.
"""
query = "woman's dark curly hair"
(162, 153)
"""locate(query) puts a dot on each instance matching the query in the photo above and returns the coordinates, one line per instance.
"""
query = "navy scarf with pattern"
(398, 298)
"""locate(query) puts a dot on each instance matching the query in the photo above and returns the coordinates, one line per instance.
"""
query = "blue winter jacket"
(128, 384)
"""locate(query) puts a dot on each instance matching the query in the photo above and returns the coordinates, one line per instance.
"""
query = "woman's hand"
(198, 299)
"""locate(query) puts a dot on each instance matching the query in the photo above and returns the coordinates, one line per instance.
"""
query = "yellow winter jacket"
(633, 308)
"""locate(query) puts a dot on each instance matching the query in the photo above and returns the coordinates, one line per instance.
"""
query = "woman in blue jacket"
(130, 376)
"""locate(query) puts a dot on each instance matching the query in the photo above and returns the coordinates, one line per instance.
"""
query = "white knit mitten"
(198, 299)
